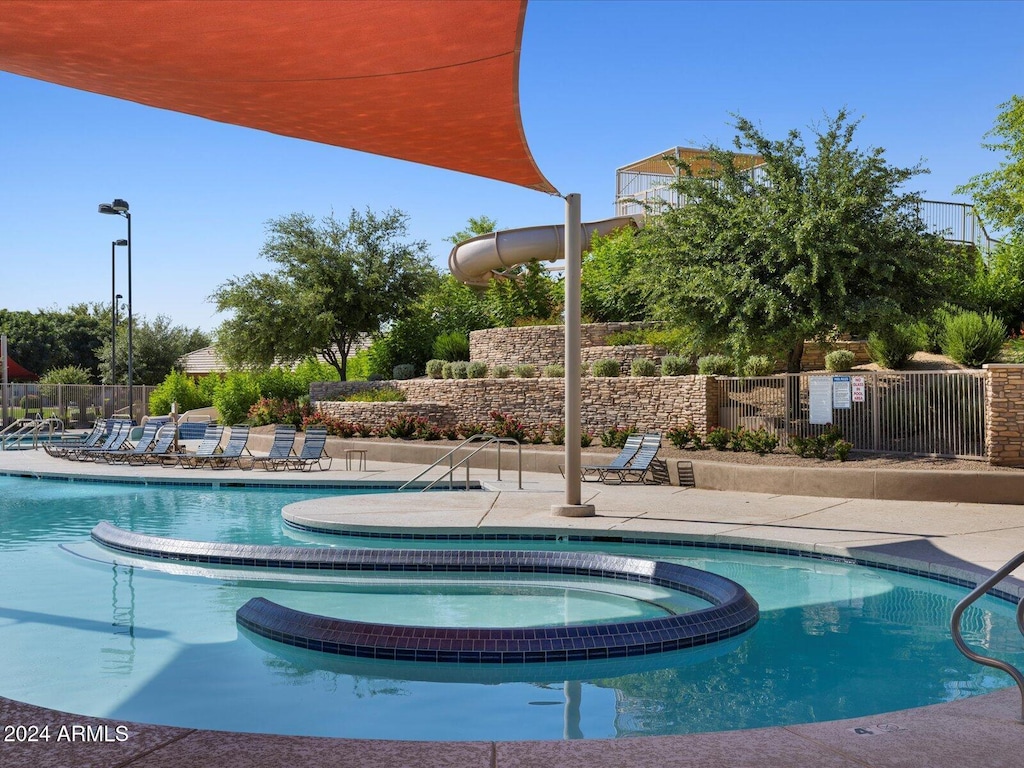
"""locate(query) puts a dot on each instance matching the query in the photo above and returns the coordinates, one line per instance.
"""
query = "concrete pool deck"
(953, 539)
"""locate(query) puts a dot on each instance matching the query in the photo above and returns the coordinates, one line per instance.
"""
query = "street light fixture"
(120, 208)
(114, 296)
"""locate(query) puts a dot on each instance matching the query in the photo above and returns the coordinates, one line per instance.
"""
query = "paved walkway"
(961, 539)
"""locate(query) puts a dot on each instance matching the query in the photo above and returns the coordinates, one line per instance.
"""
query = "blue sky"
(601, 84)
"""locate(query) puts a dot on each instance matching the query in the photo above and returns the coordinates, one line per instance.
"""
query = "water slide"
(477, 260)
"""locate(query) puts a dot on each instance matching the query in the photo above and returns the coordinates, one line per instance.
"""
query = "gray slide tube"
(475, 261)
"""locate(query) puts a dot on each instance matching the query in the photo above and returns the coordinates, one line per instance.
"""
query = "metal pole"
(573, 427)
(3, 379)
(131, 395)
(113, 312)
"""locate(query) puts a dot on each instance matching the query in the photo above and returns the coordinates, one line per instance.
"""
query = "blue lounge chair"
(640, 467)
(119, 433)
(313, 452)
(234, 453)
(145, 441)
(280, 449)
(629, 450)
(161, 448)
(208, 446)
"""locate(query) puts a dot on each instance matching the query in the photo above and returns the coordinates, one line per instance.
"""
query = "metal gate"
(934, 413)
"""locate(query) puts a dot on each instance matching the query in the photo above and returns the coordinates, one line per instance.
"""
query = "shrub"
(839, 360)
(377, 395)
(435, 368)
(447, 371)
(626, 338)
(553, 371)
(759, 441)
(476, 370)
(272, 410)
(681, 437)
(504, 425)
(460, 369)
(606, 367)
(715, 365)
(470, 428)
(334, 425)
(451, 346)
(403, 371)
(894, 346)
(176, 388)
(402, 427)
(674, 365)
(643, 367)
(536, 435)
(758, 365)
(719, 438)
(827, 445)
(501, 371)
(586, 439)
(524, 371)
(68, 374)
(615, 437)
(972, 339)
(556, 433)
(235, 396)
(1013, 352)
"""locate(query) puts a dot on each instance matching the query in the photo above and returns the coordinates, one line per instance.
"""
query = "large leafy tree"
(49, 339)
(612, 289)
(156, 348)
(333, 283)
(816, 239)
(999, 196)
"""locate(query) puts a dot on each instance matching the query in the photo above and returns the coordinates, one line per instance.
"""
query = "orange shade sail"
(429, 81)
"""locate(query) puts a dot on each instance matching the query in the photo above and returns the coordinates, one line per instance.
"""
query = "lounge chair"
(208, 446)
(629, 450)
(280, 449)
(60, 450)
(641, 465)
(161, 448)
(119, 433)
(234, 452)
(313, 452)
(145, 441)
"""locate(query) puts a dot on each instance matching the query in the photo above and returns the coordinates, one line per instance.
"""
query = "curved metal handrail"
(29, 427)
(487, 440)
(962, 606)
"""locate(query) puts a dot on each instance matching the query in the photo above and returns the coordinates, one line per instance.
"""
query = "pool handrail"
(958, 639)
(487, 440)
(24, 427)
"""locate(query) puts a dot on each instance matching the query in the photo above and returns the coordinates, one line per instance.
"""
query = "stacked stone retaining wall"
(538, 345)
(656, 403)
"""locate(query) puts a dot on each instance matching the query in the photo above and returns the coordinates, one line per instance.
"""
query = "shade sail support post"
(573, 506)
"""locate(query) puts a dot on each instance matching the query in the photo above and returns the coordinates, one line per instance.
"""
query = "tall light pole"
(114, 296)
(120, 208)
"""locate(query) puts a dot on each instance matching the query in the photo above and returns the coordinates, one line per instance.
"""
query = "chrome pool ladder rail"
(13, 433)
(486, 441)
(962, 606)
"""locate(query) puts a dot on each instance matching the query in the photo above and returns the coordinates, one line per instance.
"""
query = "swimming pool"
(161, 645)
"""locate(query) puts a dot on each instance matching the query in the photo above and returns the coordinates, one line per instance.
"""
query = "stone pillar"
(1004, 403)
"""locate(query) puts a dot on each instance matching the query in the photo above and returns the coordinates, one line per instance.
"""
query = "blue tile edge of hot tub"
(732, 611)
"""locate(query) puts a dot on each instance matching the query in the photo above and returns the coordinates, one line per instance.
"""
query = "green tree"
(526, 293)
(811, 241)
(611, 289)
(475, 225)
(334, 283)
(999, 197)
(156, 348)
(999, 194)
(56, 338)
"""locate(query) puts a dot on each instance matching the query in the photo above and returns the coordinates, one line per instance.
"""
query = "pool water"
(159, 643)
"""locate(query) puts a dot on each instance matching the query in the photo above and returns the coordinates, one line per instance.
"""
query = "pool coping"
(979, 730)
